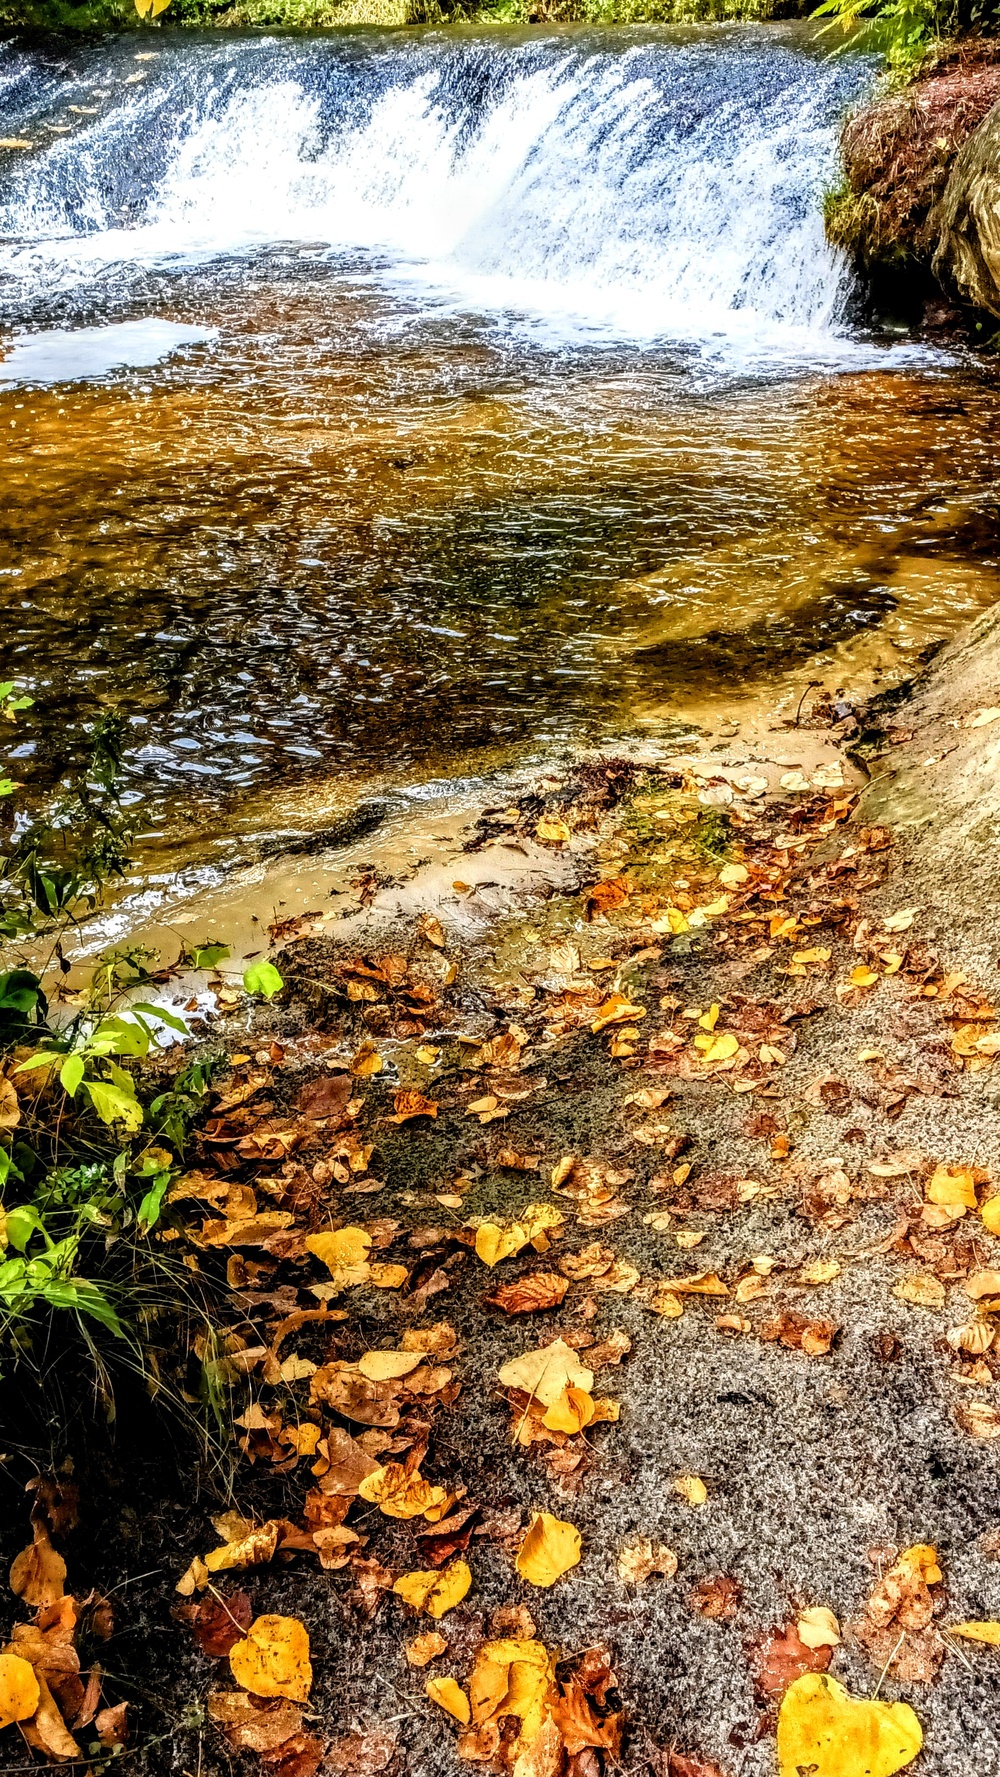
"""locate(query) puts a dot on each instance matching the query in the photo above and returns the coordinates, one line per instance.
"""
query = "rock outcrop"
(967, 220)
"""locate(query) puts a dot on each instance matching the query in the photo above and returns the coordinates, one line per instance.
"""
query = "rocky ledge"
(919, 204)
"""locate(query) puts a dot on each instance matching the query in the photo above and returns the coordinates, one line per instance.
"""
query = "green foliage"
(264, 979)
(88, 1150)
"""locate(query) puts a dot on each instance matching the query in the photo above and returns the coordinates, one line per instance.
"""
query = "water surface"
(441, 400)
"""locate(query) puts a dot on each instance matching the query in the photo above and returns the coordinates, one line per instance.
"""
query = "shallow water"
(486, 395)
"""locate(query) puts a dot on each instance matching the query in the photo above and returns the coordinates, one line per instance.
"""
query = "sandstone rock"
(967, 220)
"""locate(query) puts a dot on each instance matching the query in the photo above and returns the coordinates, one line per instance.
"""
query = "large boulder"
(967, 220)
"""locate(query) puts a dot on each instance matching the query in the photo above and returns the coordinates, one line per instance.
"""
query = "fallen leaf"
(346, 1246)
(399, 1494)
(824, 1730)
(273, 1660)
(431, 928)
(981, 718)
(531, 1294)
(389, 1366)
(38, 1573)
(435, 1592)
(550, 1548)
(979, 1419)
(449, 1695)
(901, 921)
(640, 1558)
(922, 1289)
(780, 1656)
(425, 1648)
(617, 1009)
(954, 1188)
(571, 1412)
(990, 1213)
(691, 1489)
(718, 1598)
(552, 831)
(987, 1632)
(818, 1627)
(501, 1240)
(221, 1622)
(545, 1373)
(252, 1724)
(325, 1097)
(412, 1104)
(19, 1692)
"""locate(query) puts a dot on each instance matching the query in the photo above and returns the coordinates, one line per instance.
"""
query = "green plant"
(88, 1145)
(904, 31)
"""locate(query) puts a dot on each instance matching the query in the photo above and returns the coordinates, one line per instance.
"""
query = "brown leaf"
(799, 1333)
(111, 1725)
(604, 897)
(325, 1098)
(361, 1755)
(530, 1294)
(38, 1573)
(221, 1622)
(579, 1724)
(720, 1597)
(46, 1731)
(299, 1756)
(687, 1764)
(778, 1657)
(254, 1724)
(412, 1104)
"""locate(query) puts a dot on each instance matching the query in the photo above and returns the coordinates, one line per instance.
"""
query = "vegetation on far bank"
(97, 15)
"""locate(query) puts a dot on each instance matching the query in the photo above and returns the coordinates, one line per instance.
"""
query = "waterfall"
(665, 189)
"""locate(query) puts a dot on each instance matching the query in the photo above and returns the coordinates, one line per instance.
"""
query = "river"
(384, 409)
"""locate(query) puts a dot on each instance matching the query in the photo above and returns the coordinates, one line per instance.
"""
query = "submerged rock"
(967, 220)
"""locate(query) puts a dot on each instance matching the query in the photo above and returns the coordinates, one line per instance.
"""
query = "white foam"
(80, 354)
(572, 199)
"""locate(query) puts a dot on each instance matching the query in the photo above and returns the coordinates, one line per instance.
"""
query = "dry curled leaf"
(448, 1694)
(531, 1294)
(400, 1494)
(425, 1648)
(780, 1656)
(640, 1558)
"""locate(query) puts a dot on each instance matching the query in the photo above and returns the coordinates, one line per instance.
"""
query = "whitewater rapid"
(667, 191)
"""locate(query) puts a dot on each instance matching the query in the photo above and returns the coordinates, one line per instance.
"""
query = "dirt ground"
(739, 1040)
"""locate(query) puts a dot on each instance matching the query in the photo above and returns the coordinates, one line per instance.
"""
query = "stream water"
(385, 407)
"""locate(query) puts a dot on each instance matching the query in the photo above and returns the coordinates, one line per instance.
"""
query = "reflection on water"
(363, 533)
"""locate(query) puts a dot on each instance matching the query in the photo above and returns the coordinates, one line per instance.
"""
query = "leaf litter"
(353, 1391)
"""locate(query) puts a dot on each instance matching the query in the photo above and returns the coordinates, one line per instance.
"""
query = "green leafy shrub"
(88, 1144)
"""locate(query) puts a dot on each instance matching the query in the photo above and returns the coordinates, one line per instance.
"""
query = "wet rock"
(968, 220)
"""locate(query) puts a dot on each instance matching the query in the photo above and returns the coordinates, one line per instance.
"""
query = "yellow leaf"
(954, 1188)
(862, 976)
(824, 1730)
(388, 1366)
(981, 718)
(347, 1246)
(273, 1660)
(731, 875)
(552, 831)
(988, 1632)
(501, 1240)
(550, 1548)
(386, 1277)
(435, 1592)
(901, 921)
(922, 1289)
(616, 1010)
(691, 1489)
(818, 954)
(570, 1411)
(818, 1627)
(447, 1694)
(431, 928)
(709, 1019)
(547, 1372)
(401, 1495)
(19, 1691)
(990, 1213)
(723, 1048)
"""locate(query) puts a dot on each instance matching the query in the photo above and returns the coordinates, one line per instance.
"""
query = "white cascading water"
(666, 191)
